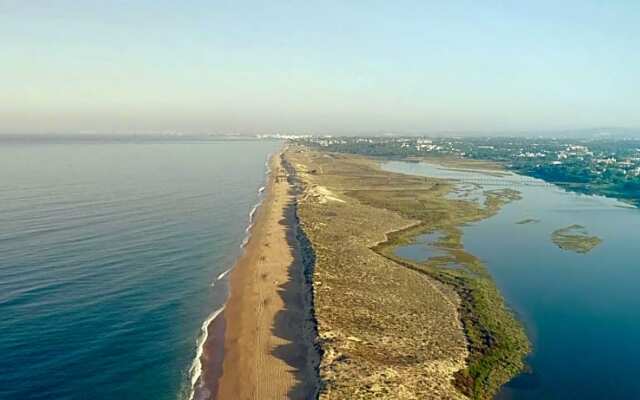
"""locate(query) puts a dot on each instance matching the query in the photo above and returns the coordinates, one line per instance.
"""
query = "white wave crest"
(222, 275)
(196, 367)
(252, 214)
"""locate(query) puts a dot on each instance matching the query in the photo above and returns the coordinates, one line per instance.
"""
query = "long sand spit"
(261, 346)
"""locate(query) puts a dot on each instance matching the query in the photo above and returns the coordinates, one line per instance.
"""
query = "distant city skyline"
(361, 67)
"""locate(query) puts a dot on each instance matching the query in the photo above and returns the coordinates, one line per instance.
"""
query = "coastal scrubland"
(394, 328)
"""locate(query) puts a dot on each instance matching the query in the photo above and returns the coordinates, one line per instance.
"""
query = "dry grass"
(390, 328)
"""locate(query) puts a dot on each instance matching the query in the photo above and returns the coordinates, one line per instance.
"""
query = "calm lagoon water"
(108, 253)
(422, 248)
(581, 311)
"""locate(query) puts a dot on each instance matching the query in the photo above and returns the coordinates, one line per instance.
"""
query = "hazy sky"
(317, 66)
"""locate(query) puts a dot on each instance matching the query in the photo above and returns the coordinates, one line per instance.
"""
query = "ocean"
(110, 254)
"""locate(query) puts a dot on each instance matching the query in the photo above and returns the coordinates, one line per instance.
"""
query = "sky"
(341, 67)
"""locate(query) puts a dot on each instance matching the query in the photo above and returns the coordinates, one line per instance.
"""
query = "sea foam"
(222, 275)
(196, 367)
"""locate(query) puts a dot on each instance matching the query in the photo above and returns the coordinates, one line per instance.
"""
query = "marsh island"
(575, 238)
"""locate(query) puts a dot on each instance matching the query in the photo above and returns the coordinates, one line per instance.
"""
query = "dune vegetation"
(390, 327)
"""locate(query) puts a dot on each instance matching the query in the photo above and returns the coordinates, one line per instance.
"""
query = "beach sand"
(262, 346)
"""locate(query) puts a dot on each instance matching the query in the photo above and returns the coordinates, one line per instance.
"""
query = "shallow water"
(422, 248)
(581, 311)
(108, 253)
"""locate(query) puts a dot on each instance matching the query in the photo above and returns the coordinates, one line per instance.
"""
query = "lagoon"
(581, 311)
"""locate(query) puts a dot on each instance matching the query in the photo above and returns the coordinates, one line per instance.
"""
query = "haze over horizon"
(331, 67)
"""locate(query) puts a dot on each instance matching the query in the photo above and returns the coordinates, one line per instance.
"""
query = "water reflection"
(422, 249)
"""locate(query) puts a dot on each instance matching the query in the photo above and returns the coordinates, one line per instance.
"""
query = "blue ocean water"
(108, 252)
(581, 311)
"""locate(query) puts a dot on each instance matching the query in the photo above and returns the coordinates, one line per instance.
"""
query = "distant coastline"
(50, 138)
(603, 166)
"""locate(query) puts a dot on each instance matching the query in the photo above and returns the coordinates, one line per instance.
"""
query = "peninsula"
(388, 327)
(322, 307)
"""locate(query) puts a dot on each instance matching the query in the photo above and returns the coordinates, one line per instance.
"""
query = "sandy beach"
(260, 348)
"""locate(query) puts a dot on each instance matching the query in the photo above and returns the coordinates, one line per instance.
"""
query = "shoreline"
(260, 345)
(209, 345)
